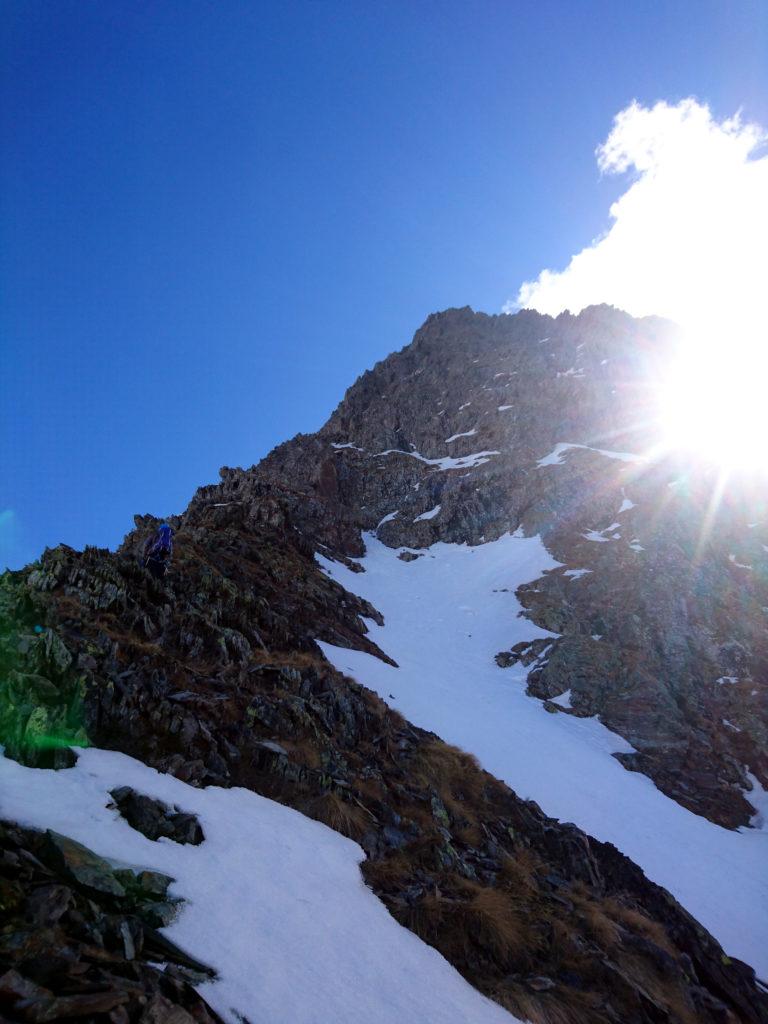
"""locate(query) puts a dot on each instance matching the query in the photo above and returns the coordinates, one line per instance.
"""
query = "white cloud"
(689, 236)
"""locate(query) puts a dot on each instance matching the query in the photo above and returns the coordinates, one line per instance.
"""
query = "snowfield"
(276, 902)
(446, 615)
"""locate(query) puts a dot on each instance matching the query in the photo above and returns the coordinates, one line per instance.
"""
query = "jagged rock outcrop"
(78, 939)
(492, 423)
(214, 674)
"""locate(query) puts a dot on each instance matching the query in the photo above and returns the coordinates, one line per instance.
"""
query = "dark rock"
(81, 952)
(154, 819)
(47, 903)
(83, 866)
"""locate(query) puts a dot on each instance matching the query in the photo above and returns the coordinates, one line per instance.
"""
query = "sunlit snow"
(555, 457)
(388, 518)
(564, 700)
(428, 515)
(446, 616)
(598, 535)
(463, 462)
(741, 565)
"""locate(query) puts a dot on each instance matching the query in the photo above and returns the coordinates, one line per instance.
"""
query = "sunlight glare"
(714, 404)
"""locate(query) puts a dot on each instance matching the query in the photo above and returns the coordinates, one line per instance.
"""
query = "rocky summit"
(482, 426)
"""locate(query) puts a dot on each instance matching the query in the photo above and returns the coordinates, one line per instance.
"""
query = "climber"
(158, 551)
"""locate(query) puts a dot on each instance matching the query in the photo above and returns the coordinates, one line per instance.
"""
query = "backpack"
(161, 547)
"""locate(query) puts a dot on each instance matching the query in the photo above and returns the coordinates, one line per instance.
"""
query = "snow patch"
(564, 700)
(428, 515)
(758, 797)
(349, 444)
(598, 535)
(387, 519)
(455, 437)
(741, 565)
(503, 408)
(465, 462)
(555, 457)
(626, 505)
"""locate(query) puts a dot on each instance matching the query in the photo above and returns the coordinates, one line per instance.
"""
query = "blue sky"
(216, 215)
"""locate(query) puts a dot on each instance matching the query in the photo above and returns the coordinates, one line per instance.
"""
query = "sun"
(713, 403)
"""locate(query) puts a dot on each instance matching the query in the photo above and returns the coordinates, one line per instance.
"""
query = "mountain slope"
(444, 615)
(216, 676)
(488, 424)
(308, 913)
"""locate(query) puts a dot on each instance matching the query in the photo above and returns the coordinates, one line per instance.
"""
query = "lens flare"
(713, 404)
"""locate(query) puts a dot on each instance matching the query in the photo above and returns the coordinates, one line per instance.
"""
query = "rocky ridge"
(486, 424)
(215, 677)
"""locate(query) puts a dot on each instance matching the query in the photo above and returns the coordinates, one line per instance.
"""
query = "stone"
(540, 984)
(84, 867)
(154, 819)
(68, 952)
(47, 903)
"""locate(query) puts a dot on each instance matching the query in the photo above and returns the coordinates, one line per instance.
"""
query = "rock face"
(486, 424)
(214, 674)
(78, 939)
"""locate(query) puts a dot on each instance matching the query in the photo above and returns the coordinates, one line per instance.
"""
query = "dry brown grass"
(565, 943)
(598, 925)
(491, 919)
(561, 1006)
(472, 921)
(605, 921)
(635, 921)
(470, 834)
(337, 813)
(303, 751)
(518, 870)
(295, 659)
(389, 872)
(458, 780)
(440, 766)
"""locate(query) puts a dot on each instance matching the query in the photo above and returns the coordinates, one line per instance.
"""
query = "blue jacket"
(160, 547)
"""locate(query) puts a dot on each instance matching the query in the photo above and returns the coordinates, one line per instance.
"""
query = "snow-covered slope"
(275, 904)
(447, 614)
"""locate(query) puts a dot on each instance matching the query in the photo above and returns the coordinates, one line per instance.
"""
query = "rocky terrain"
(214, 676)
(79, 939)
(503, 423)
